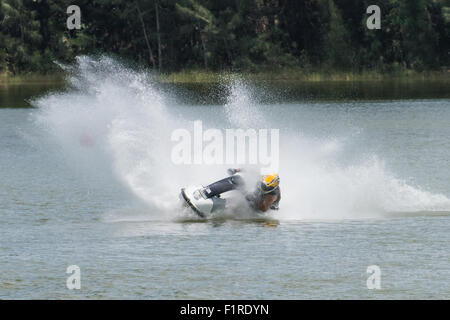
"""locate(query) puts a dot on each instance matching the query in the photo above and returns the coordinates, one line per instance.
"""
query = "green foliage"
(228, 35)
(337, 40)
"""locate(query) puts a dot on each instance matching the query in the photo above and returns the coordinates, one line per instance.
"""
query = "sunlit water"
(87, 180)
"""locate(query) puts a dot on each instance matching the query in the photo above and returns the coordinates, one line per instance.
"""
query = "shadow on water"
(218, 222)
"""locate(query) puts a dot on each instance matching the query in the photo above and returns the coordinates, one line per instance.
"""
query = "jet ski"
(205, 201)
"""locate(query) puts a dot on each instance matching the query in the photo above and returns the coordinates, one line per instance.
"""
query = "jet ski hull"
(194, 197)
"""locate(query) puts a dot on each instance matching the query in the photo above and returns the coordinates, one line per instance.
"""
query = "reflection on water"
(288, 92)
(18, 96)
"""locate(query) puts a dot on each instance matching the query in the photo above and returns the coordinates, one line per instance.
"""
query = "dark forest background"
(237, 35)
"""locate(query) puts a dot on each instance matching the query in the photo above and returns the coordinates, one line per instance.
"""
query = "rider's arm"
(266, 202)
(275, 205)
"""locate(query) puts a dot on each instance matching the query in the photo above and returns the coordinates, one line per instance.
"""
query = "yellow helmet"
(269, 182)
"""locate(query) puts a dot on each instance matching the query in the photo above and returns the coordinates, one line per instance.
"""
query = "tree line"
(238, 35)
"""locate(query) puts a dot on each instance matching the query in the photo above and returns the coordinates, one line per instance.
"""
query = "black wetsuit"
(224, 185)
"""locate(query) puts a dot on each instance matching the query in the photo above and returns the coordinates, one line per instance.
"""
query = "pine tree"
(336, 45)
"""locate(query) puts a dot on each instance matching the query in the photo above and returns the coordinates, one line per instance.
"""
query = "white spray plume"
(116, 120)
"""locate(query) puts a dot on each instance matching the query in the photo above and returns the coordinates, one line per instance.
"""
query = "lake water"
(86, 179)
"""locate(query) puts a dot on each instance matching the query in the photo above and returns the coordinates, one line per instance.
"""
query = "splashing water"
(241, 108)
(113, 120)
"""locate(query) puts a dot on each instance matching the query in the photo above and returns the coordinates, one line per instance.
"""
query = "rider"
(266, 196)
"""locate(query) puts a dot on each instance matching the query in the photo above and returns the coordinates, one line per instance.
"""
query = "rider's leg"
(224, 185)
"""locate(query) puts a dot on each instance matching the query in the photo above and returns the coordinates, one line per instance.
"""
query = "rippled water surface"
(364, 183)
